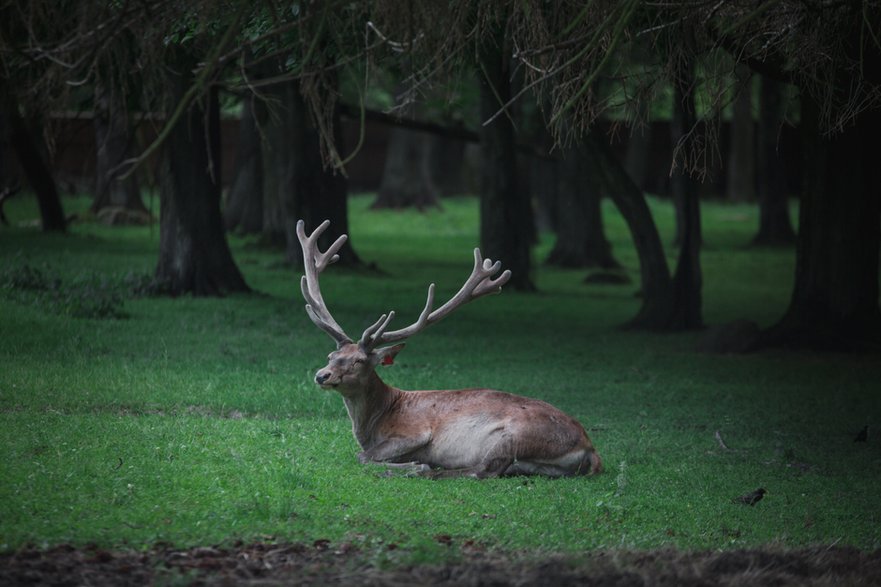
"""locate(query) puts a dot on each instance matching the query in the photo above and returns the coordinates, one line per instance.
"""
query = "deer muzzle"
(322, 377)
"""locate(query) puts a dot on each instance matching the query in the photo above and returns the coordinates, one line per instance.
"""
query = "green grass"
(195, 421)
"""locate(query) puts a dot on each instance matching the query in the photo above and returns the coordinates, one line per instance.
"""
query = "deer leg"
(488, 468)
(390, 451)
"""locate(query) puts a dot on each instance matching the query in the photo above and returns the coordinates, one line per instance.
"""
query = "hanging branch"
(197, 88)
(616, 38)
(590, 45)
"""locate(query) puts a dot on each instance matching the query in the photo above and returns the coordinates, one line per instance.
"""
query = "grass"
(195, 421)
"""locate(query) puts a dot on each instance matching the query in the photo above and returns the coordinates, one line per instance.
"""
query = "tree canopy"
(577, 61)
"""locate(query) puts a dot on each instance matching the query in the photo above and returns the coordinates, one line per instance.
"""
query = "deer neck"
(367, 408)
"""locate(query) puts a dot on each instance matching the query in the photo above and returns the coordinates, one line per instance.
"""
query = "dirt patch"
(326, 564)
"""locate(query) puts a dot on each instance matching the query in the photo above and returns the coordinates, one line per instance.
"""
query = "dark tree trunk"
(741, 171)
(244, 202)
(319, 193)
(281, 125)
(38, 173)
(407, 179)
(543, 187)
(27, 146)
(506, 229)
(9, 173)
(296, 183)
(194, 256)
(834, 303)
(581, 241)
(112, 139)
(638, 154)
(686, 310)
(775, 227)
(654, 314)
(446, 158)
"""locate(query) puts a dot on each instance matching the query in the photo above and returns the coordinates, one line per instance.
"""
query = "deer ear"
(386, 356)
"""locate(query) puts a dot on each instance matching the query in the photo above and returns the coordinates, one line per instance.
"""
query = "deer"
(478, 432)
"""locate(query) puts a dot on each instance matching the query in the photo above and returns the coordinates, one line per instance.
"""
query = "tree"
(446, 158)
(321, 192)
(581, 241)
(194, 256)
(741, 169)
(113, 140)
(505, 211)
(834, 60)
(657, 290)
(244, 202)
(8, 173)
(407, 179)
(775, 227)
(26, 143)
(687, 280)
(834, 303)
(297, 183)
(22, 104)
(282, 126)
(638, 151)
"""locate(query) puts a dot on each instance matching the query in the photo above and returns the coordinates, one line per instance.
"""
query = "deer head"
(351, 367)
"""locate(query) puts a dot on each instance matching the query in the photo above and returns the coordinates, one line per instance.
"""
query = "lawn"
(195, 421)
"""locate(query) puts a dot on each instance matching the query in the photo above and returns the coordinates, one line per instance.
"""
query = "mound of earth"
(326, 564)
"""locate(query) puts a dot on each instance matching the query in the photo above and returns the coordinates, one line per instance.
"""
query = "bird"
(862, 435)
(751, 498)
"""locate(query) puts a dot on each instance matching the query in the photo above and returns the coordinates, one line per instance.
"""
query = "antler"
(314, 262)
(478, 284)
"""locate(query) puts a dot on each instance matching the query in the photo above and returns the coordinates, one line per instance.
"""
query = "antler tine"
(376, 334)
(492, 286)
(374, 331)
(478, 284)
(314, 262)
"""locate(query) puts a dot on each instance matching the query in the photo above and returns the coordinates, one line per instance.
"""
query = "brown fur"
(473, 432)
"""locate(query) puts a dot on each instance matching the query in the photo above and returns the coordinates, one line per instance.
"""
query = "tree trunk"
(112, 139)
(194, 256)
(446, 159)
(506, 217)
(834, 302)
(244, 202)
(630, 200)
(686, 309)
(319, 192)
(638, 146)
(27, 146)
(37, 171)
(407, 180)
(296, 183)
(775, 227)
(741, 171)
(543, 182)
(9, 172)
(581, 241)
(281, 129)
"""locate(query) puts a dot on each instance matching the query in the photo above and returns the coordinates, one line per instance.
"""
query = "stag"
(472, 432)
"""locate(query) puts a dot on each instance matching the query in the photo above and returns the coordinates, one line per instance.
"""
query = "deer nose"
(321, 377)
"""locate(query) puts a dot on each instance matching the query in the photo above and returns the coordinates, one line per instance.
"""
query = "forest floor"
(325, 564)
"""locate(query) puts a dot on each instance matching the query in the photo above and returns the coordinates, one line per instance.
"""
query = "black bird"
(751, 498)
(862, 435)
